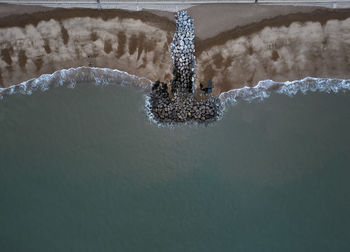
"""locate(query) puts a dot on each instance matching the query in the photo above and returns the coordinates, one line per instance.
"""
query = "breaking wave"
(266, 87)
(72, 76)
(105, 76)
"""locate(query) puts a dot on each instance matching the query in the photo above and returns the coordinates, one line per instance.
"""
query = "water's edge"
(72, 76)
(105, 76)
(267, 87)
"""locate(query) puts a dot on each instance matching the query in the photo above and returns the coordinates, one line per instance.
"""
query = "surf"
(265, 88)
(71, 77)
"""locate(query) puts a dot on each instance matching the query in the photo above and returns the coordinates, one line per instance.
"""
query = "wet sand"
(236, 45)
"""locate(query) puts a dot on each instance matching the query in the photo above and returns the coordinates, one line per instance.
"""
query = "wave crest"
(72, 76)
(105, 76)
(266, 87)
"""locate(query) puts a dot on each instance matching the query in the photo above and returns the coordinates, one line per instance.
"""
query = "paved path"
(170, 4)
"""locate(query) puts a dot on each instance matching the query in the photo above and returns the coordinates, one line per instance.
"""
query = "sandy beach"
(236, 44)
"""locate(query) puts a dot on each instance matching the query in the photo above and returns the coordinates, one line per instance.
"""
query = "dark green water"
(84, 170)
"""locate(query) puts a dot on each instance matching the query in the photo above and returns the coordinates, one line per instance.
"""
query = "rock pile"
(181, 105)
(182, 54)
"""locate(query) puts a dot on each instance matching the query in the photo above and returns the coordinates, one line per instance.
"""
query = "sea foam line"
(106, 76)
(72, 76)
(266, 87)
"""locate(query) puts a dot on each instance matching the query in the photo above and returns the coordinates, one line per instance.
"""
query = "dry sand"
(237, 44)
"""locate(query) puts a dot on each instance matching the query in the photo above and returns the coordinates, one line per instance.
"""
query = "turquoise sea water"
(85, 170)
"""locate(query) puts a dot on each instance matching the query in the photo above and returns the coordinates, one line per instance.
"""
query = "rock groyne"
(179, 103)
(182, 54)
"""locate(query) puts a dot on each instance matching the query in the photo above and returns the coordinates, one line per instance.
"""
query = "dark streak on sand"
(165, 49)
(275, 55)
(38, 63)
(93, 36)
(155, 58)
(149, 45)
(121, 44)
(140, 41)
(22, 59)
(1, 81)
(132, 44)
(64, 33)
(107, 46)
(250, 50)
(6, 55)
(47, 46)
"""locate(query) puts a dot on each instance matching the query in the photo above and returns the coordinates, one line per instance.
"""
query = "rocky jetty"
(182, 54)
(178, 103)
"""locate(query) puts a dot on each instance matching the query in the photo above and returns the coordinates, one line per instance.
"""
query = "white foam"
(105, 76)
(72, 76)
(266, 87)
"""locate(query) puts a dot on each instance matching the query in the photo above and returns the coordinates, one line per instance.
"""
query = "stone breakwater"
(182, 54)
(182, 108)
(178, 103)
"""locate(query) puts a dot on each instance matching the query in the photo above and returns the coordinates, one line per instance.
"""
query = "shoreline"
(72, 77)
(218, 51)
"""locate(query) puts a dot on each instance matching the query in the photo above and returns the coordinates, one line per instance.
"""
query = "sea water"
(84, 169)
